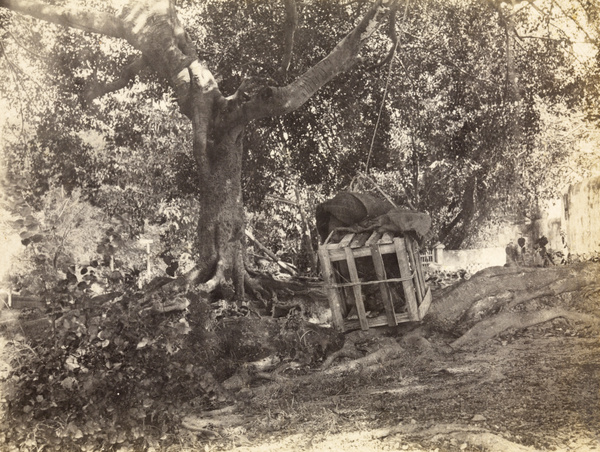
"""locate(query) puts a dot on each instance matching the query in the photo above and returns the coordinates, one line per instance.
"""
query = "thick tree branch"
(69, 16)
(289, 30)
(150, 26)
(271, 101)
(95, 90)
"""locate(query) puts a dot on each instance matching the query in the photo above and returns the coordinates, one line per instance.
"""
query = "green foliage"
(449, 133)
(110, 376)
(279, 224)
(70, 248)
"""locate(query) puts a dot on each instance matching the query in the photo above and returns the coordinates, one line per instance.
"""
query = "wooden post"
(335, 302)
(408, 285)
(147, 242)
(413, 264)
(383, 289)
(358, 298)
(418, 267)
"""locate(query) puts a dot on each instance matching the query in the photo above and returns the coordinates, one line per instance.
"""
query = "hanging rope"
(387, 83)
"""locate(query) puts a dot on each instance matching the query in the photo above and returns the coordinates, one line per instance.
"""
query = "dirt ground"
(539, 389)
(536, 389)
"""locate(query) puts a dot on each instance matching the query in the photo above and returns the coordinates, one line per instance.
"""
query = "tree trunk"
(153, 28)
(452, 235)
(221, 223)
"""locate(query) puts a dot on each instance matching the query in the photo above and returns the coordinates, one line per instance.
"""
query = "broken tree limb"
(288, 268)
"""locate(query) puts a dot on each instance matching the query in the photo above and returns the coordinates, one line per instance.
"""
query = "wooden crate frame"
(352, 246)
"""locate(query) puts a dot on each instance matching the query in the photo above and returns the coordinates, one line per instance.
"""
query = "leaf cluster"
(106, 376)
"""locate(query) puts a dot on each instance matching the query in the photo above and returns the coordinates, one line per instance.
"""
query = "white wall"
(581, 205)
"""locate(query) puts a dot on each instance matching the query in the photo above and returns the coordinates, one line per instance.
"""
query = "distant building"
(581, 216)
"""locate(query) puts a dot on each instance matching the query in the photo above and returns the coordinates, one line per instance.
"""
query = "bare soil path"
(537, 390)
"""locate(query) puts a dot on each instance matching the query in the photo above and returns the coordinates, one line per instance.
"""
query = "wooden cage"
(373, 279)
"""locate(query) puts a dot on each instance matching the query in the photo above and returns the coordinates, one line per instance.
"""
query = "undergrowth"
(107, 375)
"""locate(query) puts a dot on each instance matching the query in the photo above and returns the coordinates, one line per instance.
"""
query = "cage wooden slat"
(373, 238)
(360, 240)
(387, 237)
(346, 240)
(340, 255)
(425, 304)
(383, 288)
(413, 264)
(407, 285)
(333, 295)
(418, 266)
(357, 290)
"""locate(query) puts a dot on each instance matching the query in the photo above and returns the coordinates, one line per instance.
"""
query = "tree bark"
(221, 225)
(450, 234)
(153, 28)
(480, 307)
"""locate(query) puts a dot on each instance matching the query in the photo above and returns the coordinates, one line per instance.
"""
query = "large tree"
(154, 30)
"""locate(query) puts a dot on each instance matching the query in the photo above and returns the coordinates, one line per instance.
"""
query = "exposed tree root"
(488, 328)
(498, 283)
(347, 351)
(217, 280)
(384, 354)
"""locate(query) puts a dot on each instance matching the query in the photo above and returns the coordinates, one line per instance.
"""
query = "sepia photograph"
(299, 225)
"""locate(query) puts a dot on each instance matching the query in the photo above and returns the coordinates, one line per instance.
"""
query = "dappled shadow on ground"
(538, 389)
(524, 390)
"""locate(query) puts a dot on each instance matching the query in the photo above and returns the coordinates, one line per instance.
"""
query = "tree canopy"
(484, 109)
(185, 123)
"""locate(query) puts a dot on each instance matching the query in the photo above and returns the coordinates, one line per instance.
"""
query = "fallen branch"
(283, 265)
